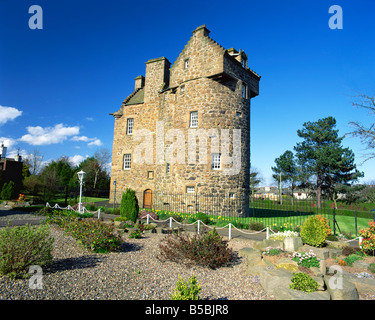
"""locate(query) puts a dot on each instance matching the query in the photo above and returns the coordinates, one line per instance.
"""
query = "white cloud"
(77, 159)
(38, 136)
(8, 142)
(96, 142)
(91, 141)
(8, 114)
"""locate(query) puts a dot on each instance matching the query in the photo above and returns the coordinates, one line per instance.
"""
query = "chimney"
(3, 151)
(139, 82)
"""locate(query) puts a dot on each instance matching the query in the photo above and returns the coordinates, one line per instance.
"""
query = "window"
(231, 195)
(244, 90)
(129, 127)
(127, 161)
(186, 64)
(216, 161)
(193, 119)
(182, 89)
(190, 189)
(243, 62)
(150, 175)
(168, 169)
(238, 114)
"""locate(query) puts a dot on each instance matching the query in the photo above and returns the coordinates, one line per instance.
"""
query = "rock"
(321, 253)
(272, 279)
(340, 288)
(269, 243)
(338, 244)
(291, 294)
(360, 264)
(287, 266)
(292, 244)
(253, 256)
(363, 285)
(334, 252)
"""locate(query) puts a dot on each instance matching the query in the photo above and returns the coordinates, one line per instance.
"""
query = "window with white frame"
(193, 119)
(186, 63)
(244, 90)
(190, 189)
(129, 127)
(127, 161)
(216, 161)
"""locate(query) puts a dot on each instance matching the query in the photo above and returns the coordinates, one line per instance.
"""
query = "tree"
(323, 159)
(366, 134)
(96, 176)
(34, 161)
(255, 179)
(287, 168)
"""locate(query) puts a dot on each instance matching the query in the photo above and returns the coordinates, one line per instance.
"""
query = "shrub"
(304, 282)
(186, 290)
(368, 234)
(315, 231)
(135, 234)
(91, 233)
(371, 267)
(21, 247)
(129, 207)
(143, 215)
(8, 191)
(352, 258)
(255, 225)
(306, 259)
(208, 249)
(342, 262)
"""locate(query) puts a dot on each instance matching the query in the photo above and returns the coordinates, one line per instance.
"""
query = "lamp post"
(114, 196)
(81, 175)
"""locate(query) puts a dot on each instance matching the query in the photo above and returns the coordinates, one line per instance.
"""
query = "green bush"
(91, 233)
(8, 191)
(302, 281)
(22, 247)
(135, 234)
(186, 290)
(314, 231)
(129, 207)
(256, 225)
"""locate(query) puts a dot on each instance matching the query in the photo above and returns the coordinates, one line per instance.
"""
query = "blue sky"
(59, 84)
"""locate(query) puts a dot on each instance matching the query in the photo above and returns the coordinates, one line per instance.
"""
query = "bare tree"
(365, 133)
(34, 161)
(102, 157)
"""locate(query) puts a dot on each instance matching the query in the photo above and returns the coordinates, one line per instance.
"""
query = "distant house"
(10, 169)
(271, 193)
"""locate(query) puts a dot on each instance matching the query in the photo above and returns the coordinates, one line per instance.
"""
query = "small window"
(168, 168)
(238, 114)
(216, 161)
(127, 161)
(165, 96)
(193, 119)
(231, 195)
(129, 127)
(243, 62)
(150, 175)
(182, 89)
(186, 64)
(190, 189)
(244, 91)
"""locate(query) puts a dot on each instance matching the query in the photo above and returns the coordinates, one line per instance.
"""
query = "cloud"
(91, 141)
(96, 142)
(8, 114)
(8, 142)
(77, 159)
(38, 136)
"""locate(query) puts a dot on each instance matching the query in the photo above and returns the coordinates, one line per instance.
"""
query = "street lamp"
(114, 196)
(81, 175)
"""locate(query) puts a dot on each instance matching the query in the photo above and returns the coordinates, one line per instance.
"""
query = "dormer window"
(243, 62)
(186, 63)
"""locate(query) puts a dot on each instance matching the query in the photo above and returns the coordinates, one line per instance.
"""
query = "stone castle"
(185, 129)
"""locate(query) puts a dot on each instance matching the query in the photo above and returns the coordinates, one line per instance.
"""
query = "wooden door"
(147, 199)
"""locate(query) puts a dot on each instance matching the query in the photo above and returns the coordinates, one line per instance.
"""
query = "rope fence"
(69, 207)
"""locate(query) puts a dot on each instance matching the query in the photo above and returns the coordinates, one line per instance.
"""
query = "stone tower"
(185, 129)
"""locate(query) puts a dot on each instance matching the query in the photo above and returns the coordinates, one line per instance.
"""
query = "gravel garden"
(75, 256)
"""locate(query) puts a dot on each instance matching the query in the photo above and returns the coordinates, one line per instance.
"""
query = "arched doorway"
(147, 199)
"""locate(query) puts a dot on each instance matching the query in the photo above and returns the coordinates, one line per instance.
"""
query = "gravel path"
(134, 273)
